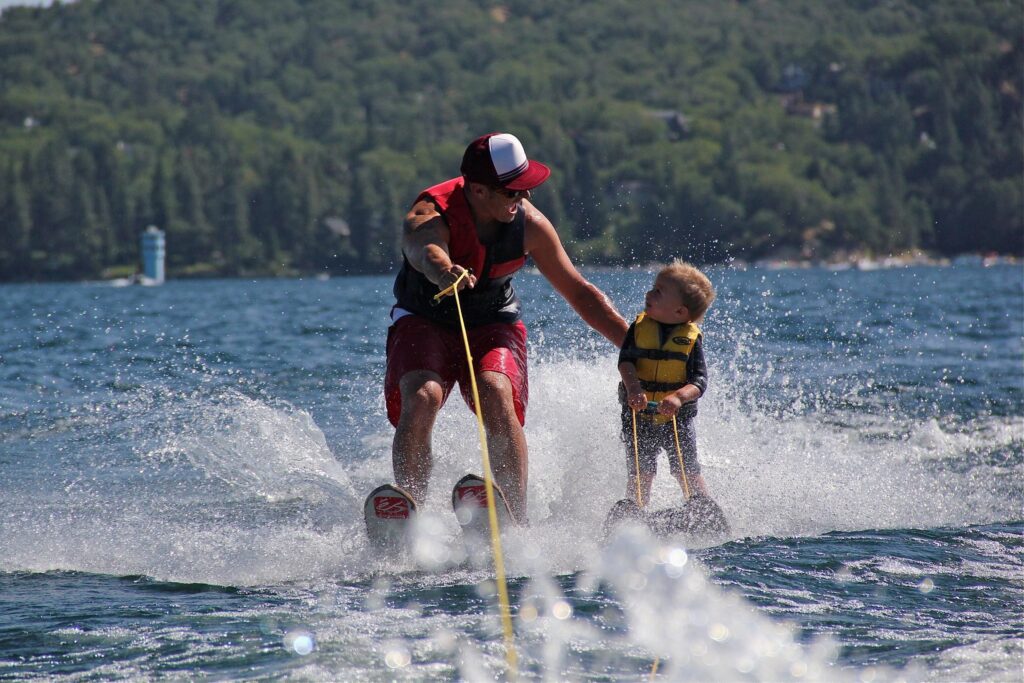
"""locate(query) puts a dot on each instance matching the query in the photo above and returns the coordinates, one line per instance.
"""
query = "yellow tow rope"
(640, 503)
(492, 513)
(679, 454)
(639, 498)
(636, 462)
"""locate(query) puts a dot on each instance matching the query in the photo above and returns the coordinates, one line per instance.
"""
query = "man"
(482, 222)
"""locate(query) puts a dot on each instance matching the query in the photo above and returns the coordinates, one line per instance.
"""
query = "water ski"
(469, 501)
(624, 510)
(699, 516)
(389, 513)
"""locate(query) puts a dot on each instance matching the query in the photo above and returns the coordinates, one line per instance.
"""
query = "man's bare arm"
(425, 244)
(545, 248)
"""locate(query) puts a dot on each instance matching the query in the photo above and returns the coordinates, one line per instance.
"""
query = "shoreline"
(865, 263)
(857, 262)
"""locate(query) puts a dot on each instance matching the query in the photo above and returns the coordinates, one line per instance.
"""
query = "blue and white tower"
(153, 254)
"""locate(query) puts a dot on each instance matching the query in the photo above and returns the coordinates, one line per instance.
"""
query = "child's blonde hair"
(695, 288)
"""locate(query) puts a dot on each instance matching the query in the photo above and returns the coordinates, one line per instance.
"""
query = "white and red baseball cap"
(499, 160)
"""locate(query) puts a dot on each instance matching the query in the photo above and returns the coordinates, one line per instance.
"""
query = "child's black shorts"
(652, 438)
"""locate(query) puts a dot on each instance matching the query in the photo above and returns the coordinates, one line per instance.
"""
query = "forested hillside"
(282, 136)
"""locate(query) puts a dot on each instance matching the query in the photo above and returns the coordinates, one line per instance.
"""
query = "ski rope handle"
(492, 513)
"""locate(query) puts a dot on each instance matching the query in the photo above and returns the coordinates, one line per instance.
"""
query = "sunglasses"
(511, 194)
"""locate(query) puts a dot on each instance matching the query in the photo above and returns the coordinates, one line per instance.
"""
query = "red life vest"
(464, 246)
(492, 299)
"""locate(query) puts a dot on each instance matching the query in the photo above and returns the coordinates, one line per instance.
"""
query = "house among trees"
(795, 105)
(794, 78)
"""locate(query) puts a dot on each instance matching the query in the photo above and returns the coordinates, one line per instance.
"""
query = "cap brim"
(535, 174)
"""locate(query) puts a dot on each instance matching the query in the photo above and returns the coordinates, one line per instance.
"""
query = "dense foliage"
(290, 135)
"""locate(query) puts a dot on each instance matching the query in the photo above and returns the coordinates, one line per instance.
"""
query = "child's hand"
(638, 401)
(669, 405)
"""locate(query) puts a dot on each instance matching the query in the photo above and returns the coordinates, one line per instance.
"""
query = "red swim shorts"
(416, 343)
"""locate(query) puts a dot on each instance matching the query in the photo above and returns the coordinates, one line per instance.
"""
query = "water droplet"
(397, 657)
(561, 610)
(299, 642)
(677, 557)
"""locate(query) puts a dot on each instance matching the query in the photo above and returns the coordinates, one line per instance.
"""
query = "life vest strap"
(656, 354)
(661, 386)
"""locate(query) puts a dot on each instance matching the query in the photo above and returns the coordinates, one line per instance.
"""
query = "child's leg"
(688, 447)
(646, 479)
(696, 482)
(644, 462)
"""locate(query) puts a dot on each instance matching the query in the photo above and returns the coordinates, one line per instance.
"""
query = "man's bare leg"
(506, 441)
(411, 455)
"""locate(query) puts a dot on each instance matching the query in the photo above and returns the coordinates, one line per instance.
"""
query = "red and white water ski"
(389, 513)
(469, 500)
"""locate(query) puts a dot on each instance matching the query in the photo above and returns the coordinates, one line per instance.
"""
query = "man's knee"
(494, 386)
(422, 393)
(497, 397)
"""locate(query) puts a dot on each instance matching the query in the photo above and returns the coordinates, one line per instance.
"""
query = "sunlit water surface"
(182, 472)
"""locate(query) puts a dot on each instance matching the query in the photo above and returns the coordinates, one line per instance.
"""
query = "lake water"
(182, 471)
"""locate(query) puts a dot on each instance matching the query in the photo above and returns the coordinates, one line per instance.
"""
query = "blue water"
(182, 471)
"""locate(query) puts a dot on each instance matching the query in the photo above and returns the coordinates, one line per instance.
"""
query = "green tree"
(15, 223)
(720, 130)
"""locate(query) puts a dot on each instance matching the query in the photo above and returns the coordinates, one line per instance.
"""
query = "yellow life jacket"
(661, 367)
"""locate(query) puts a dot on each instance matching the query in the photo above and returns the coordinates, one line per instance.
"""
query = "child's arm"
(671, 404)
(635, 396)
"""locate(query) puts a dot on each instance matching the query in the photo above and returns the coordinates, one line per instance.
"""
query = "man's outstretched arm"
(545, 248)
